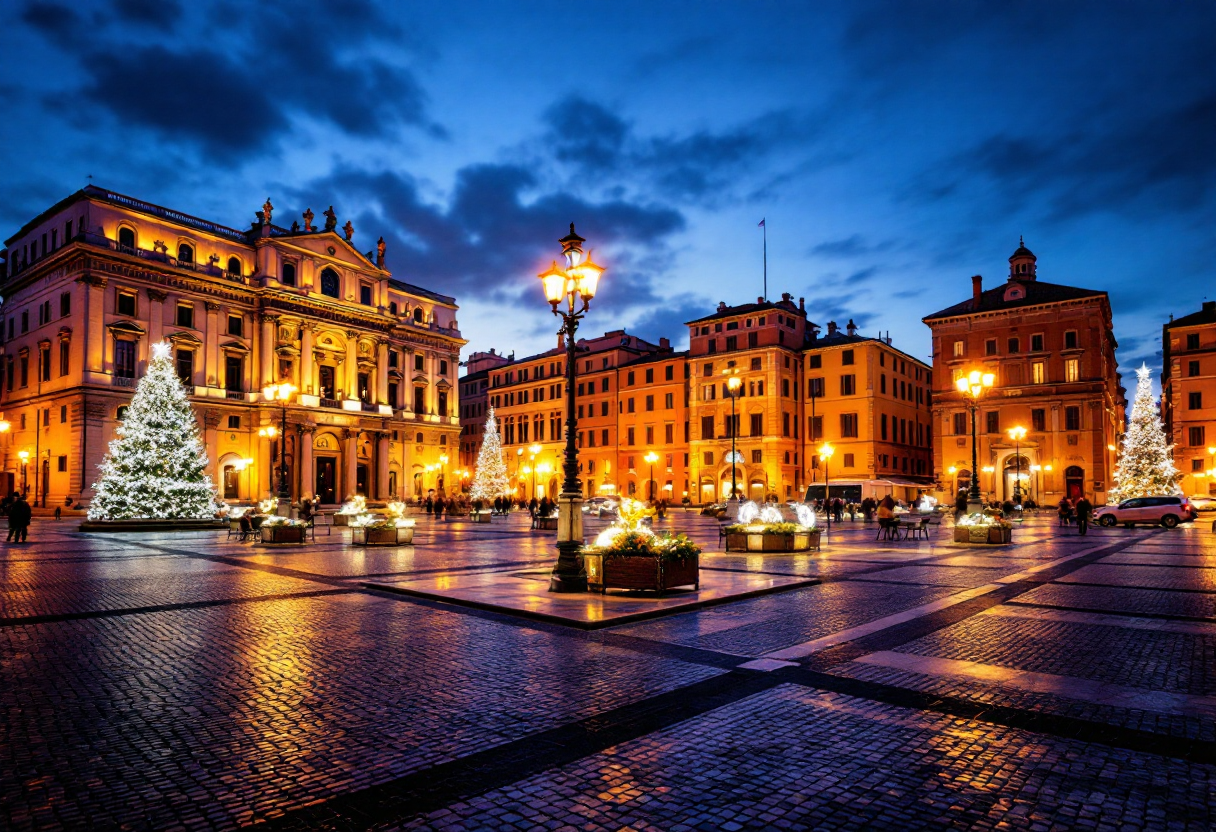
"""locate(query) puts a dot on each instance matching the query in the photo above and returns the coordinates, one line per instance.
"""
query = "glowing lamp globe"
(588, 277)
(826, 450)
(553, 280)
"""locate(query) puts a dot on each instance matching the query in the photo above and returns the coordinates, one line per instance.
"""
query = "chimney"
(802, 304)
(977, 286)
(831, 327)
(814, 328)
(786, 296)
(759, 300)
(1209, 306)
(665, 343)
(721, 306)
(852, 327)
(561, 343)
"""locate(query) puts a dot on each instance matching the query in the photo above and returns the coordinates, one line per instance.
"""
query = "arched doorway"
(1017, 468)
(962, 480)
(327, 458)
(740, 483)
(707, 490)
(756, 489)
(1074, 482)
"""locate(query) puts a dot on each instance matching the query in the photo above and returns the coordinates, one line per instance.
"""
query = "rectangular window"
(815, 361)
(124, 359)
(44, 362)
(848, 425)
(669, 434)
(65, 357)
(1195, 437)
(814, 388)
(1194, 400)
(65, 304)
(236, 325)
(668, 401)
(185, 315)
(847, 385)
(650, 434)
(846, 357)
(993, 421)
(1192, 341)
(707, 427)
(882, 427)
(708, 458)
(1070, 339)
(1038, 419)
(1036, 343)
(1072, 418)
(1072, 369)
(1038, 372)
(960, 424)
(365, 294)
(815, 424)
(1013, 346)
(629, 408)
(126, 303)
(1192, 368)
(62, 464)
(234, 371)
(419, 399)
(629, 436)
(650, 403)
(959, 349)
(848, 460)
(419, 365)
(234, 423)
(757, 424)
(732, 343)
(185, 366)
(990, 347)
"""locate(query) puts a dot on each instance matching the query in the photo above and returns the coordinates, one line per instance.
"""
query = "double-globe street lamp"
(1017, 434)
(825, 453)
(574, 284)
(972, 386)
(281, 393)
(733, 385)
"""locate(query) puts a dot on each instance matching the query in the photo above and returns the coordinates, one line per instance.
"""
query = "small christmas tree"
(1146, 464)
(156, 467)
(490, 481)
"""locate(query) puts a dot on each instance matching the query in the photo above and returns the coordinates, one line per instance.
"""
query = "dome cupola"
(1022, 263)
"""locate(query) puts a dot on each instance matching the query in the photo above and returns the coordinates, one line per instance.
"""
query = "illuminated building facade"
(93, 281)
(1188, 396)
(1052, 350)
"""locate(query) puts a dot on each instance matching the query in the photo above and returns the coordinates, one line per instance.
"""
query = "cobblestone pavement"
(192, 681)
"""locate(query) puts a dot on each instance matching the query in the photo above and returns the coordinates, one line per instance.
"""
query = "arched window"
(418, 314)
(126, 238)
(234, 266)
(330, 284)
(289, 274)
(185, 254)
(121, 413)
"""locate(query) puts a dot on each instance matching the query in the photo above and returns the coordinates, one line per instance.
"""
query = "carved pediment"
(128, 327)
(184, 339)
(319, 243)
(234, 346)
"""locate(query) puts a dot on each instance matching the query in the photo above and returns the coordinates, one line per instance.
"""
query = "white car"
(1156, 511)
(1203, 503)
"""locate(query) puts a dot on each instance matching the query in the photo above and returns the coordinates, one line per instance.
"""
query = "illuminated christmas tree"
(1146, 463)
(156, 466)
(490, 481)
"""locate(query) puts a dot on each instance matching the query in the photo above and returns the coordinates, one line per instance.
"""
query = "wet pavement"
(156, 681)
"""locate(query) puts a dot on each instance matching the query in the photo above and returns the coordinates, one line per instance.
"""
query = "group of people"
(868, 508)
(1080, 511)
(19, 515)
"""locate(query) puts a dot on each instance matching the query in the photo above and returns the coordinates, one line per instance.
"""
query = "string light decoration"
(1146, 464)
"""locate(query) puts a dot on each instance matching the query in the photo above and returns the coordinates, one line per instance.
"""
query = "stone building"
(94, 280)
(474, 408)
(1188, 396)
(1052, 350)
(871, 402)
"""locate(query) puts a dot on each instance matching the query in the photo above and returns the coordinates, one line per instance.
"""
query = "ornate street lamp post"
(1017, 434)
(733, 385)
(825, 453)
(443, 478)
(575, 284)
(972, 385)
(25, 461)
(652, 458)
(283, 393)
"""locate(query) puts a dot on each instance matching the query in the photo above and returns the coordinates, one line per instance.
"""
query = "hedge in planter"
(395, 532)
(983, 529)
(283, 530)
(640, 560)
(771, 537)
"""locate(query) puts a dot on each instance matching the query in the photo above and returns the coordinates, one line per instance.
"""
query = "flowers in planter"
(268, 506)
(769, 520)
(983, 519)
(630, 537)
(276, 520)
(355, 505)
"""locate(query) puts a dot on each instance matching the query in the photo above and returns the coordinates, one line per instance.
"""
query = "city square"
(766, 416)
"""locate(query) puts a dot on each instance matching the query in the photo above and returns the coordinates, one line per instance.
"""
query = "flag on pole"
(761, 225)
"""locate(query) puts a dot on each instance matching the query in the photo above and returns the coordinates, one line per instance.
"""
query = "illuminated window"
(1072, 369)
(959, 348)
(1038, 372)
(330, 283)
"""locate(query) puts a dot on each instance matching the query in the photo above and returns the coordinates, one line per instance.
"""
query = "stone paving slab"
(1130, 600)
(795, 758)
(1154, 577)
(527, 593)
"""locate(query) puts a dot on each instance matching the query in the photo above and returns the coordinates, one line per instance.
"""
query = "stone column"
(350, 458)
(307, 375)
(211, 424)
(263, 481)
(382, 465)
(382, 372)
(266, 373)
(212, 340)
(308, 477)
(156, 313)
(94, 444)
(94, 346)
(352, 364)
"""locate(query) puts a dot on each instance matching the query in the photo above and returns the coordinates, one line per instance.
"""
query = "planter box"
(641, 573)
(283, 534)
(480, 517)
(545, 524)
(760, 542)
(982, 534)
(342, 519)
(395, 536)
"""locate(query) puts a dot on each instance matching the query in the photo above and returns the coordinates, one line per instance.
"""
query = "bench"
(325, 521)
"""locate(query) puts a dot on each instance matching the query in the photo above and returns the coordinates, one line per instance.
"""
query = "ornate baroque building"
(94, 280)
(1052, 350)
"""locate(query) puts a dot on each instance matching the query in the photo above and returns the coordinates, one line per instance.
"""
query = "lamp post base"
(568, 573)
(975, 505)
(732, 509)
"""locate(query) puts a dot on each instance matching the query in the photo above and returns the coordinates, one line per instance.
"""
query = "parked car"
(1203, 503)
(1156, 511)
(600, 507)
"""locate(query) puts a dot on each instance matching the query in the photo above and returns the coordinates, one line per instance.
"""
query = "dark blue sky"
(894, 148)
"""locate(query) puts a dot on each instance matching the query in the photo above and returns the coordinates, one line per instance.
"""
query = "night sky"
(895, 149)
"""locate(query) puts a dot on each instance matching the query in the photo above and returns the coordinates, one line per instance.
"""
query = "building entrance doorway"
(327, 470)
(361, 479)
(1074, 482)
(232, 483)
(1016, 467)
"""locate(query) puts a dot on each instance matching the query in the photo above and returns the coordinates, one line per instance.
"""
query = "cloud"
(263, 70)
(854, 245)
(497, 231)
(668, 319)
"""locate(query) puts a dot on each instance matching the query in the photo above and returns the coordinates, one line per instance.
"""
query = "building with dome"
(1051, 348)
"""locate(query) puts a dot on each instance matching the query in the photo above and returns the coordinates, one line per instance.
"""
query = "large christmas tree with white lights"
(490, 480)
(1146, 463)
(156, 467)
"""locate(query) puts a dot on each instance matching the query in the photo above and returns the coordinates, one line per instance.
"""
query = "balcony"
(208, 269)
(334, 403)
(235, 395)
(124, 381)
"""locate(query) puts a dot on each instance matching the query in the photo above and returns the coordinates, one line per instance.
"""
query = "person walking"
(1064, 510)
(960, 505)
(1084, 509)
(19, 516)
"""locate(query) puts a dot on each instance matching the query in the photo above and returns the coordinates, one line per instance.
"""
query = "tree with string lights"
(1146, 461)
(490, 480)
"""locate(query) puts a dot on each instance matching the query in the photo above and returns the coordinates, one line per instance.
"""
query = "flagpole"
(764, 225)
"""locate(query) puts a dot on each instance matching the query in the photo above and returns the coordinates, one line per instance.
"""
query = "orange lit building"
(474, 407)
(872, 404)
(1188, 396)
(94, 280)
(1052, 350)
(761, 343)
(653, 419)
